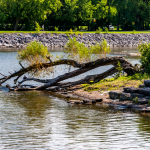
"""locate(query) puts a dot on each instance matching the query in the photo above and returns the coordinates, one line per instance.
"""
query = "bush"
(78, 51)
(56, 29)
(35, 52)
(99, 30)
(37, 27)
(106, 30)
(145, 56)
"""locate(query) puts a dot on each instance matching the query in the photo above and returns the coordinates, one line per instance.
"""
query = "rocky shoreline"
(20, 40)
(137, 99)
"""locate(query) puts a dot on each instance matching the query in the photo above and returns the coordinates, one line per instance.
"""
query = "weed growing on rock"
(119, 68)
(136, 100)
(149, 102)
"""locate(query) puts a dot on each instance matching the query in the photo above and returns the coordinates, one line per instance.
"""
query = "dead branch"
(82, 68)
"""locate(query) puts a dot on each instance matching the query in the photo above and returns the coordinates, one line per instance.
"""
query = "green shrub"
(35, 52)
(106, 30)
(136, 100)
(81, 53)
(149, 102)
(145, 56)
(119, 68)
(56, 29)
(99, 30)
(70, 30)
(134, 31)
(37, 27)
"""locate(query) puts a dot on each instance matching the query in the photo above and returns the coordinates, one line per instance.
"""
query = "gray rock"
(115, 94)
(141, 85)
(130, 96)
(116, 40)
(131, 90)
(147, 83)
(142, 100)
(145, 91)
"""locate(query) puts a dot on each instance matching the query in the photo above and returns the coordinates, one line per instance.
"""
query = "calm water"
(39, 120)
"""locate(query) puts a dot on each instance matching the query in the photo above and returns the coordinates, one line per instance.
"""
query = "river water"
(36, 120)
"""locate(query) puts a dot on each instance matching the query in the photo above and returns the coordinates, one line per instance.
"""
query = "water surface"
(38, 120)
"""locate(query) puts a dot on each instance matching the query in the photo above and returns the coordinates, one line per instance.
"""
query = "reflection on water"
(38, 120)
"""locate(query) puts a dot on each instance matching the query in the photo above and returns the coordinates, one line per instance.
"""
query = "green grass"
(78, 32)
(117, 84)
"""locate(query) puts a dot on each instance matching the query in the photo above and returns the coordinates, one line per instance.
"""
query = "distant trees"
(66, 14)
(25, 12)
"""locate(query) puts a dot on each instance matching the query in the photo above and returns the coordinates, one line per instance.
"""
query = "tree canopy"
(67, 14)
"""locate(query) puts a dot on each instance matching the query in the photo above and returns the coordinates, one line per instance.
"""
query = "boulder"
(131, 90)
(145, 91)
(130, 96)
(142, 101)
(115, 94)
(142, 86)
(147, 83)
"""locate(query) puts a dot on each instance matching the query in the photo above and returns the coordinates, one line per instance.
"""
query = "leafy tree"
(17, 11)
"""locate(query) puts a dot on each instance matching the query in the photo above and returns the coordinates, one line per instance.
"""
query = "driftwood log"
(128, 68)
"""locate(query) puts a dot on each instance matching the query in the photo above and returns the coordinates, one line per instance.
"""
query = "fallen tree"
(128, 68)
(57, 83)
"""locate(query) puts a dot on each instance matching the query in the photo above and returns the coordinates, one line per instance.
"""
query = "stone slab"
(130, 96)
(115, 94)
(145, 91)
(131, 90)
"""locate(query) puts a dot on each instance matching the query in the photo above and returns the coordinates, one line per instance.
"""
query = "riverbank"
(112, 92)
(20, 40)
(135, 99)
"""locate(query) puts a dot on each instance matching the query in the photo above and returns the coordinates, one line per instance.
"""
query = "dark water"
(40, 120)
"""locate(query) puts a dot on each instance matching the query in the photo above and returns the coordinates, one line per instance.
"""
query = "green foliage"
(37, 27)
(119, 68)
(70, 30)
(100, 49)
(145, 56)
(76, 29)
(34, 53)
(106, 30)
(80, 52)
(149, 102)
(136, 100)
(56, 29)
(134, 31)
(117, 84)
(99, 30)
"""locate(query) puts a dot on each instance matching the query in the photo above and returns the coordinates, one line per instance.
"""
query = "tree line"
(74, 14)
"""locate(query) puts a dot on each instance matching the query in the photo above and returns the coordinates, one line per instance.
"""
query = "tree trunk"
(16, 24)
(82, 68)
(118, 21)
